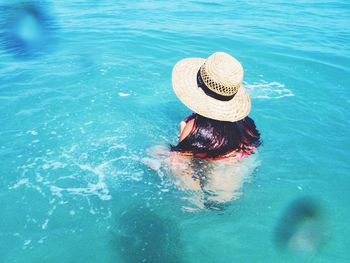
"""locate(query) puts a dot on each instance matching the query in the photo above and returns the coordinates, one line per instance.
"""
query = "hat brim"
(184, 79)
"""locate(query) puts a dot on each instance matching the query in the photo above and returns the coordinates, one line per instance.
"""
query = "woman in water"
(219, 128)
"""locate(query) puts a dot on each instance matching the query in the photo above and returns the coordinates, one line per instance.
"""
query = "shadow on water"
(301, 228)
(27, 28)
(141, 235)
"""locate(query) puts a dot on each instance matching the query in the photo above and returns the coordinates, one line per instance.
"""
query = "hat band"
(209, 92)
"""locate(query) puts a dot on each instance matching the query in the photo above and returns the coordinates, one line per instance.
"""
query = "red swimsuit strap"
(190, 117)
(238, 155)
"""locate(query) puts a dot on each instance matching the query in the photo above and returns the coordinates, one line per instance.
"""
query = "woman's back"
(213, 139)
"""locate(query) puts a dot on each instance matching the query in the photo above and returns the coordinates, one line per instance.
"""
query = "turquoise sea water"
(88, 92)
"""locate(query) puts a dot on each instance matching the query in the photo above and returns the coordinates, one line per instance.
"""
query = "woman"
(219, 128)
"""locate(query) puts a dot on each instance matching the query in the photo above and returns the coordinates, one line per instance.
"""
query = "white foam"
(136, 176)
(88, 123)
(56, 191)
(79, 178)
(26, 243)
(99, 188)
(41, 240)
(24, 181)
(154, 164)
(117, 146)
(53, 165)
(33, 132)
(73, 148)
(268, 90)
(44, 225)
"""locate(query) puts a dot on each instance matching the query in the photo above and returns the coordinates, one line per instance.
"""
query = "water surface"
(88, 91)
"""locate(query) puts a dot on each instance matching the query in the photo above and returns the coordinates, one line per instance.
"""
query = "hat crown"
(222, 73)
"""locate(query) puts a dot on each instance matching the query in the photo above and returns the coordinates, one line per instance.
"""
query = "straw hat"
(212, 87)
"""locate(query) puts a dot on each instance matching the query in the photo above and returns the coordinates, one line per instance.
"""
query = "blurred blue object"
(301, 228)
(27, 28)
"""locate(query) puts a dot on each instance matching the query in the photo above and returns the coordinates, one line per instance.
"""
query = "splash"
(268, 90)
(73, 174)
(206, 184)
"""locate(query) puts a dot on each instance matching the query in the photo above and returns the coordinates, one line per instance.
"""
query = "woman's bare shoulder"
(186, 130)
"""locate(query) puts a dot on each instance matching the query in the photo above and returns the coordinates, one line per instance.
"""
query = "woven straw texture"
(223, 75)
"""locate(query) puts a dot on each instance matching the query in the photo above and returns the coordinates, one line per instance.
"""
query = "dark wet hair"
(212, 138)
